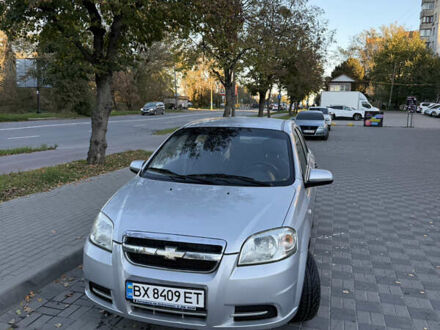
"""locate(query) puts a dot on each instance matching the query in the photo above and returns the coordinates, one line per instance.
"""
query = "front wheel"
(311, 293)
(357, 116)
(333, 116)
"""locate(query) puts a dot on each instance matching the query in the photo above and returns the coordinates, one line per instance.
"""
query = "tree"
(270, 32)
(221, 36)
(353, 68)
(102, 34)
(148, 78)
(302, 70)
(403, 66)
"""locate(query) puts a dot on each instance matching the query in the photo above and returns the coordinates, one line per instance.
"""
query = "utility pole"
(175, 87)
(392, 85)
(211, 96)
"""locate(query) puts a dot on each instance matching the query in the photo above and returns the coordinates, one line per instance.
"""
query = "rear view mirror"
(136, 165)
(318, 177)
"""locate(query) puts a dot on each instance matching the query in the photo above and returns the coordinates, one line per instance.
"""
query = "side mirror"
(318, 177)
(136, 166)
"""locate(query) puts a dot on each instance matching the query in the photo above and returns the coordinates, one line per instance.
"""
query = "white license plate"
(309, 131)
(165, 296)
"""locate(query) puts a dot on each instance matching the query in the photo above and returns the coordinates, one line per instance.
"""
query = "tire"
(333, 116)
(311, 293)
(143, 113)
(325, 138)
(357, 116)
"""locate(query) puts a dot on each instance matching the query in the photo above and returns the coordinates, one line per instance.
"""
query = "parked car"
(423, 106)
(327, 116)
(213, 231)
(428, 111)
(435, 112)
(274, 107)
(153, 108)
(342, 111)
(312, 124)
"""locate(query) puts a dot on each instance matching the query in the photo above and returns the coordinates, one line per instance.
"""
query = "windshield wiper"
(229, 178)
(172, 174)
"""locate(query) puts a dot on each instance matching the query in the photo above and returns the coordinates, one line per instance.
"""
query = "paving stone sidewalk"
(376, 241)
(41, 235)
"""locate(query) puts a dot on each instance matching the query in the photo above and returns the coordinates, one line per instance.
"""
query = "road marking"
(88, 122)
(23, 137)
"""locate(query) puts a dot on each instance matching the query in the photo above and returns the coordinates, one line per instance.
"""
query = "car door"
(336, 110)
(307, 162)
(347, 111)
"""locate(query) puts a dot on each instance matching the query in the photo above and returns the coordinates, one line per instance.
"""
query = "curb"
(20, 287)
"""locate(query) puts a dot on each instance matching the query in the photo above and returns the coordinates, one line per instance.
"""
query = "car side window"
(337, 107)
(347, 108)
(302, 154)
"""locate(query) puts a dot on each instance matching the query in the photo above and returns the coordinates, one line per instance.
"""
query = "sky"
(350, 17)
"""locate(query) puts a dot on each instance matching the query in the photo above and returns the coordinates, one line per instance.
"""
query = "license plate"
(165, 296)
(309, 131)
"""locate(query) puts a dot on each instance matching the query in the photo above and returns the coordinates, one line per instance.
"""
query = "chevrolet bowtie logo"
(170, 253)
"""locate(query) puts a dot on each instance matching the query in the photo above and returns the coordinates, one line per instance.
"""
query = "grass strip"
(15, 185)
(26, 150)
(165, 131)
(4, 117)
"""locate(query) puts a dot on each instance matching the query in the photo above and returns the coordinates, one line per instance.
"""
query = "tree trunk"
(100, 115)
(268, 104)
(290, 108)
(279, 99)
(261, 101)
(229, 92)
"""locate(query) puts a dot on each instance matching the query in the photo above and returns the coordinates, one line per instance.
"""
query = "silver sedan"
(213, 231)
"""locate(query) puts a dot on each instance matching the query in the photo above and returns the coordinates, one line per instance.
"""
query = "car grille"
(190, 254)
(309, 128)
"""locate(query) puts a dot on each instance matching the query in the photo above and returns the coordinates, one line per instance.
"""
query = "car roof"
(242, 122)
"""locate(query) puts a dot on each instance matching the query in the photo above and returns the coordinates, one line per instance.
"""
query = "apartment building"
(429, 24)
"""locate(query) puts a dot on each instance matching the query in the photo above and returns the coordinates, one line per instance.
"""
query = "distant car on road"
(312, 124)
(327, 116)
(153, 108)
(213, 232)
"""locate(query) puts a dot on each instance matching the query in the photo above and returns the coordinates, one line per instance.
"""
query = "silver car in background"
(313, 124)
(153, 108)
(326, 113)
(213, 231)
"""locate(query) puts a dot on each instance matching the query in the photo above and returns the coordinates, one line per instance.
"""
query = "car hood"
(310, 122)
(229, 213)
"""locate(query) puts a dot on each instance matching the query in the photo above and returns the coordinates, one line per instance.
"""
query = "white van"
(346, 104)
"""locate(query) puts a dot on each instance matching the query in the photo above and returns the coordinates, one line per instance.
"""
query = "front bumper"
(276, 284)
(317, 133)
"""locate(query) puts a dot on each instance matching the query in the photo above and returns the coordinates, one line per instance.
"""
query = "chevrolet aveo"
(213, 231)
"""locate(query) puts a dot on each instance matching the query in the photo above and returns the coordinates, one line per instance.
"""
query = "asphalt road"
(72, 137)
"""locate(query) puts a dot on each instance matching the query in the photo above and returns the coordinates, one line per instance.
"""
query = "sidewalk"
(42, 235)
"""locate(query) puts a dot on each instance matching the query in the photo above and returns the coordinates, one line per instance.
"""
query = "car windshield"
(310, 115)
(150, 104)
(323, 110)
(225, 156)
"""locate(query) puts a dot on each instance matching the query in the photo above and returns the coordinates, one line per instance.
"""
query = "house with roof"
(342, 83)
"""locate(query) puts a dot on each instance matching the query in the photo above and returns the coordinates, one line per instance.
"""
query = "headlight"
(268, 246)
(102, 232)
